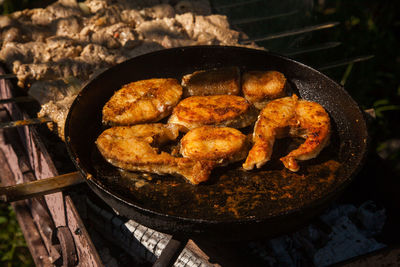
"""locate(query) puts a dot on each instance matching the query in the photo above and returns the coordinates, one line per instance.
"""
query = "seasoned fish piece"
(223, 81)
(221, 144)
(142, 101)
(136, 148)
(260, 87)
(289, 116)
(312, 123)
(218, 110)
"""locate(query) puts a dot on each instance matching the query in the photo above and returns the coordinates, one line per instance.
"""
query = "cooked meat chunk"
(57, 111)
(115, 36)
(132, 16)
(30, 52)
(159, 11)
(218, 110)
(142, 101)
(223, 145)
(289, 116)
(158, 29)
(6, 21)
(44, 16)
(69, 26)
(209, 30)
(54, 49)
(11, 34)
(54, 90)
(101, 56)
(259, 87)
(136, 148)
(61, 48)
(223, 81)
(313, 124)
(27, 73)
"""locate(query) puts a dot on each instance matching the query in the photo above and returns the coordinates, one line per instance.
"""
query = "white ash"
(69, 40)
(343, 232)
(372, 218)
(346, 242)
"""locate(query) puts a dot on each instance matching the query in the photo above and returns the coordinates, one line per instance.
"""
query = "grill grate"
(286, 27)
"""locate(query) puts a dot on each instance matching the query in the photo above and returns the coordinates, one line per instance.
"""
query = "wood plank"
(84, 246)
(24, 218)
(43, 167)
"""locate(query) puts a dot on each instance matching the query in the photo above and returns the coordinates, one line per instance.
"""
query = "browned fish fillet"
(142, 101)
(223, 81)
(136, 148)
(260, 87)
(289, 116)
(221, 144)
(219, 110)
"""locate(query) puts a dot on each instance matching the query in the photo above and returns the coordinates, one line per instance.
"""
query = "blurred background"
(361, 53)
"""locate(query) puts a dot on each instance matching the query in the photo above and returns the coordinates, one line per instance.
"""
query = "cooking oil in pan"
(231, 192)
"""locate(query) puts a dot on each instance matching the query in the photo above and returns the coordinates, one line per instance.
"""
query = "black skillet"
(234, 204)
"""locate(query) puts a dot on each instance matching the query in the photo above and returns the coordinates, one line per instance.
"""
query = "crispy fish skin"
(135, 148)
(221, 144)
(219, 110)
(260, 87)
(142, 102)
(222, 81)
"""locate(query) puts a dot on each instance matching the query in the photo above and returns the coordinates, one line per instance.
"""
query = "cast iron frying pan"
(234, 204)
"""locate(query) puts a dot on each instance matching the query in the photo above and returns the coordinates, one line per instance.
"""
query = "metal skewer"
(27, 122)
(292, 32)
(8, 76)
(39, 187)
(310, 49)
(19, 99)
(236, 5)
(257, 19)
(345, 62)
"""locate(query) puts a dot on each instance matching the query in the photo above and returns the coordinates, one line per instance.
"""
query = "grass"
(13, 249)
(367, 27)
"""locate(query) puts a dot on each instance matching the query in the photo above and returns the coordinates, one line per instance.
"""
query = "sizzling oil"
(231, 192)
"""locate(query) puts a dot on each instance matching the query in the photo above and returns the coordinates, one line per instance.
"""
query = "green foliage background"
(367, 27)
(13, 249)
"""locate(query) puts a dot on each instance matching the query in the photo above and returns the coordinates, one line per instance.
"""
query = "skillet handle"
(39, 187)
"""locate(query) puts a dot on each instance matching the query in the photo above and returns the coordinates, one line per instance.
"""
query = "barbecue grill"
(79, 244)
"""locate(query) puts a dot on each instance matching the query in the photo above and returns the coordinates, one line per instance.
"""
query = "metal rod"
(8, 76)
(344, 62)
(39, 187)
(19, 99)
(251, 20)
(27, 122)
(292, 32)
(312, 48)
(238, 4)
